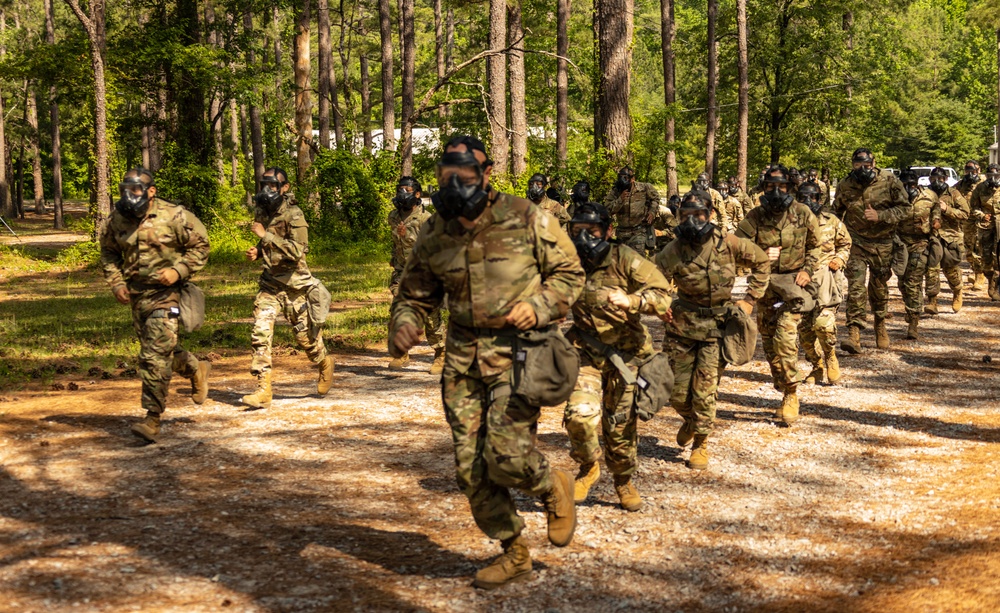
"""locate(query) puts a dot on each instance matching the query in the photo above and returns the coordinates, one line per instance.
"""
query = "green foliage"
(353, 191)
(184, 181)
(85, 254)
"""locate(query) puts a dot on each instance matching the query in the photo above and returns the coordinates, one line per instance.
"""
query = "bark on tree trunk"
(518, 109)
(215, 106)
(668, 31)
(496, 79)
(615, 44)
(711, 123)
(57, 188)
(409, 64)
(439, 49)
(340, 117)
(36, 156)
(145, 134)
(388, 102)
(256, 132)
(234, 142)
(366, 103)
(848, 28)
(562, 83)
(325, 71)
(303, 100)
(449, 62)
(6, 204)
(743, 103)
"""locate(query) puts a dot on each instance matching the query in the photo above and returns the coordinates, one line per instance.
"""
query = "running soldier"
(954, 214)
(536, 193)
(915, 232)
(984, 206)
(970, 232)
(634, 206)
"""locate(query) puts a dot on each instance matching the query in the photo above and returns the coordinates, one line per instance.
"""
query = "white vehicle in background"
(924, 174)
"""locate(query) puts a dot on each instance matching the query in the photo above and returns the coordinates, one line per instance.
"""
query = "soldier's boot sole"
(399, 363)
(513, 566)
(199, 382)
(628, 495)
(561, 509)
(325, 381)
(585, 479)
(852, 344)
(957, 301)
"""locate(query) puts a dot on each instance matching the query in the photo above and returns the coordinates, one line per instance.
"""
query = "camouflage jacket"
(796, 231)
(824, 192)
(954, 215)
(918, 226)
(630, 209)
(734, 211)
(557, 210)
(719, 204)
(648, 293)
(283, 248)
(515, 253)
(885, 194)
(985, 201)
(704, 275)
(404, 233)
(965, 186)
(834, 240)
(133, 252)
(746, 202)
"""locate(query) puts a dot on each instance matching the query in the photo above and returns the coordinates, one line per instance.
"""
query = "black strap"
(617, 358)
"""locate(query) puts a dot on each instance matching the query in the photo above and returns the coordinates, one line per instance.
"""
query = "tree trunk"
(668, 31)
(366, 103)
(562, 82)
(57, 189)
(848, 27)
(712, 122)
(234, 142)
(36, 155)
(518, 109)
(303, 100)
(615, 44)
(325, 72)
(439, 50)
(743, 105)
(409, 65)
(215, 106)
(345, 65)
(496, 80)
(449, 61)
(256, 133)
(6, 204)
(190, 94)
(388, 101)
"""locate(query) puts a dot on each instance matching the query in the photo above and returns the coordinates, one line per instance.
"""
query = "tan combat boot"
(438, 366)
(399, 363)
(852, 344)
(911, 330)
(815, 376)
(561, 509)
(699, 453)
(325, 375)
(514, 565)
(931, 307)
(199, 382)
(585, 479)
(627, 494)
(832, 365)
(789, 411)
(260, 399)
(992, 290)
(979, 284)
(956, 300)
(686, 433)
(148, 429)
(881, 334)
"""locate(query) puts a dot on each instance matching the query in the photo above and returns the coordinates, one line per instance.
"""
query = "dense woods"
(347, 94)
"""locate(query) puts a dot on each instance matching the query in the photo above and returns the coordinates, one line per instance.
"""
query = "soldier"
(819, 326)
(870, 202)
(732, 207)
(406, 220)
(702, 263)
(579, 195)
(285, 286)
(504, 266)
(737, 191)
(536, 193)
(970, 232)
(915, 232)
(634, 206)
(621, 286)
(702, 183)
(149, 248)
(954, 213)
(984, 205)
(794, 180)
(824, 188)
(789, 233)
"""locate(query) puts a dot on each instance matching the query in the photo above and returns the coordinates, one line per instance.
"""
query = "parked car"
(924, 174)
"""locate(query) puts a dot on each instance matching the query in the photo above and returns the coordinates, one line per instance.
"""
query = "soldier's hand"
(836, 264)
(944, 206)
(168, 276)
(121, 294)
(258, 229)
(937, 224)
(773, 253)
(870, 213)
(619, 299)
(650, 217)
(802, 279)
(987, 217)
(522, 316)
(406, 337)
(668, 316)
(745, 306)
(252, 254)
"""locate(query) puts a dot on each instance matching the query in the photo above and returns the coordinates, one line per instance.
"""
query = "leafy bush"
(186, 182)
(353, 190)
(85, 253)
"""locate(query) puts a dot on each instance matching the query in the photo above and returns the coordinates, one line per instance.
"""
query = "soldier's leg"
(913, 280)
(512, 459)
(705, 386)
(824, 329)
(880, 271)
(465, 406)
(265, 311)
(767, 326)
(435, 330)
(682, 361)
(953, 276)
(857, 293)
(971, 240)
(296, 311)
(785, 348)
(932, 282)
(619, 425)
(582, 416)
(807, 334)
(157, 340)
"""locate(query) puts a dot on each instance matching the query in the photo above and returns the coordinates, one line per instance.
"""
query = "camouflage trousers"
(953, 275)
(818, 333)
(634, 238)
(294, 306)
(159, 355)
(988, 250)
(911, 283)
(494, 436)
(697, 367)
(875, 259)
(602, 401)
(970, 235)
(779, 335)
(434, 328)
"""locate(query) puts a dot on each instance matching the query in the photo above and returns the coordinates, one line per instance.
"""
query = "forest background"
(206, 92)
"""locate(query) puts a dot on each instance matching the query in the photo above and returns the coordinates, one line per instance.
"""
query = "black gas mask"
(581, 192)
(776, 201)
(939, 186)
(456, 199)
(536, 191)
(993, 180)
(693, 229)
(702, 183)
(404, 200)
(591, 249)
(734, 190)
(971, 174)
(863, 174)
(270, 197)
(912, 191)
(133, 204)
(624, 181)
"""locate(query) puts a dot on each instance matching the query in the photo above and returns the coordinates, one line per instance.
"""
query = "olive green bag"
(192, 307)
(546, 366)
(739, 337)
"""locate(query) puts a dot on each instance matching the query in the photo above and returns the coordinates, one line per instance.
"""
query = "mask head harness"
(808, 194)
(581, 192)
(910, 181)
(774, 200)
(864, 174)
(405, 200)
(536, 187)
(972, 170)
(270, 197)
(695, 211)
(993, 175)
(939, 181)
(134, 191)
(702, 183)
(456, 199)
(591, 249)
(625, 176)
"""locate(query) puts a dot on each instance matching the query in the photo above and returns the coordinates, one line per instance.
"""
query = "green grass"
(59, 315)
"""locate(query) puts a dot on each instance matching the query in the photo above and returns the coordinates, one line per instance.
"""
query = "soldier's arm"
(420, 290)
(111, 258)
(842, 243)
(612, 203)
(652, 201)
(747, 228)
(899, 207)
(839, 204)
(812, 245)
(976, 204)
(562, 275)
(194, 239)
(936, 211)
(648, 290)
(959, 208)
(748, 254)
(721, 213)
(293, 246)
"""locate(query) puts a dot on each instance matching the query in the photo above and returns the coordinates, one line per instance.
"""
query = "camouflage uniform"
(985, 200)
(284, 284)
(820, 324)
(630, 210)
(734, 212)
(586, 413)
(796, 232)
(132, 254)
(746, 202)
(557, 210)
(824, 192)
(915, 231)
(515, 253)
(704, 275)
(719, 204)
(970, 233)
(404, 235)
(871, 248)
(952, 222)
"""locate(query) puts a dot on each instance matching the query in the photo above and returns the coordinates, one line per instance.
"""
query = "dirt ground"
(884, 497)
